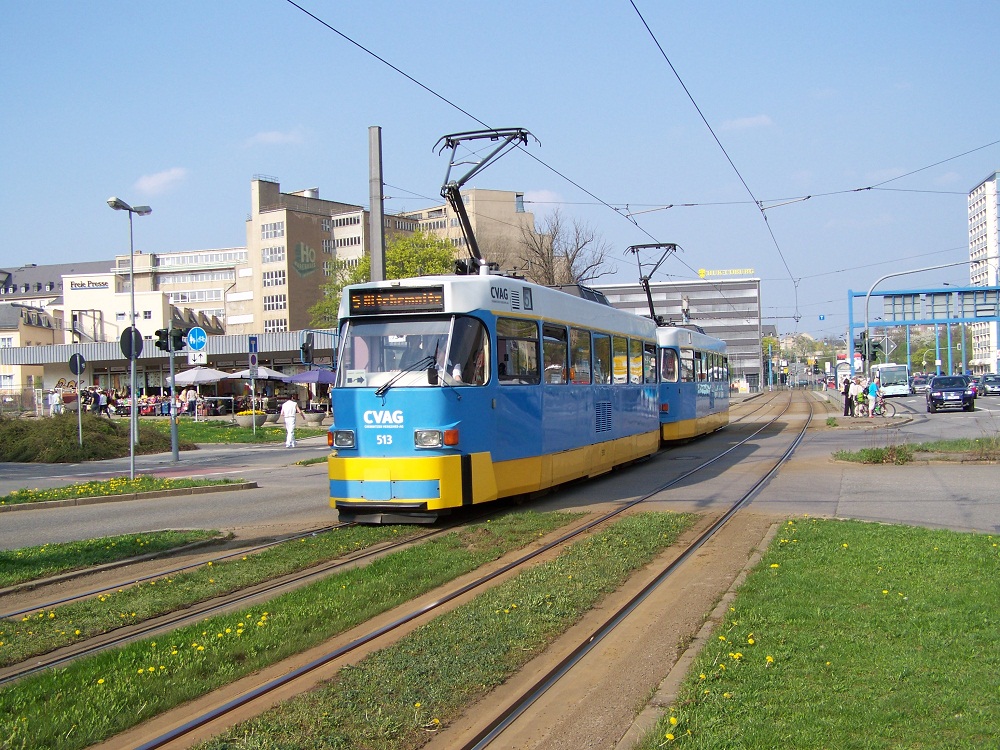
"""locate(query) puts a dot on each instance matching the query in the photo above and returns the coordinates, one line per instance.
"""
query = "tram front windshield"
(374, 352)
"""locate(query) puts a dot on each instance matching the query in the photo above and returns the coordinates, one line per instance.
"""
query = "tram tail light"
(451, 437)
(665, 408)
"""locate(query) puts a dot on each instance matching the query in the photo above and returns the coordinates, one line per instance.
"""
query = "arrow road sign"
(77, 364)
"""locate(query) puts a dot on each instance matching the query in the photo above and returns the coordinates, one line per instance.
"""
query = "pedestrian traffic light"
(177, 339)
(162, 340)
(306, 350)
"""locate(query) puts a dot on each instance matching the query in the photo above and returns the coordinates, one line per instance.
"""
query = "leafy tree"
(419, 254)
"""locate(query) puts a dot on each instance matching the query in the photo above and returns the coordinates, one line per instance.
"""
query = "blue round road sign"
(196, 339)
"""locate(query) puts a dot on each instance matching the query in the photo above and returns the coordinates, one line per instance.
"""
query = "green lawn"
(852, 635)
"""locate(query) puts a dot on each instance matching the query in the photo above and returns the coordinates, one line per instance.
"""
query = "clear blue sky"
(177, 105)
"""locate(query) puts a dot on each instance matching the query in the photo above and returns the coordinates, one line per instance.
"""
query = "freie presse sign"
(703, 273)
(84, 285)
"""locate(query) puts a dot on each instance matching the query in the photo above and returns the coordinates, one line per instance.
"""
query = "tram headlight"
(343, 438)
(434, 438)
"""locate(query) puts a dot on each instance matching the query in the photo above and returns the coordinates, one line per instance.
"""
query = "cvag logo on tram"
(383, 417)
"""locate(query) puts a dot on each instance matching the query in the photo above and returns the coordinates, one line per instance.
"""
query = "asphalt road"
(938, 494)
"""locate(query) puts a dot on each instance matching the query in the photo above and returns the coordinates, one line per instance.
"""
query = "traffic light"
(177, 339)
(162, 341)
(306, 350)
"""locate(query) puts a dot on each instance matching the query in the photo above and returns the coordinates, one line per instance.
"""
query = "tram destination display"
(396, 300)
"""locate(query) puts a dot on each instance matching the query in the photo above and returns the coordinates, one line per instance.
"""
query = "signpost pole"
(252, 350)
(174, 447)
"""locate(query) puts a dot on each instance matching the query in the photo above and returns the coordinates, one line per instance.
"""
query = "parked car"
(989, 384)
(919, 385)
(947, 391)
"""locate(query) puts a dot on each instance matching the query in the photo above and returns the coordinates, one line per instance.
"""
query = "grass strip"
(107, 488)
(95, 698)
(984, 448)
(396, 697)
(45, 630)
(31, 563)
(224, 431)
(890, 454)
(851, 635)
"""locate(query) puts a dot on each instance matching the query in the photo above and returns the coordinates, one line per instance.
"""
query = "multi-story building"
(294, 243)
(498, 220)
(726, 309)
(984, 251)
(22, 325)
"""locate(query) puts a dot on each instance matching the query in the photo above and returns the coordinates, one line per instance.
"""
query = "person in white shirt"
(289, 410)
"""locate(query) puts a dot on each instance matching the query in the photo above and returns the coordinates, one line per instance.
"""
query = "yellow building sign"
(702, 273)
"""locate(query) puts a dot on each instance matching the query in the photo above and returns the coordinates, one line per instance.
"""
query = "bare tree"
(557, 252)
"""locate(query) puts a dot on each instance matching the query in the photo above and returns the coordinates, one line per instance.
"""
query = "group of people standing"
(857, 390)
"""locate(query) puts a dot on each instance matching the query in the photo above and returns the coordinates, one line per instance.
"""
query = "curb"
(669, 688)
(75, 501)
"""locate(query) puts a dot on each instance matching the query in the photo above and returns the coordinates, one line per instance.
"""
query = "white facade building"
(984, 251)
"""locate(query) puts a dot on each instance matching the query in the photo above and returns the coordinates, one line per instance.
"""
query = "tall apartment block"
(984, 257)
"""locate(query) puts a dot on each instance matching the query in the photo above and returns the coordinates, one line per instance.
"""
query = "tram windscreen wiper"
(421, 363)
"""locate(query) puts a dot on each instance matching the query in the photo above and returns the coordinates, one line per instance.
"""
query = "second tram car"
(694, 383)
(457, 390)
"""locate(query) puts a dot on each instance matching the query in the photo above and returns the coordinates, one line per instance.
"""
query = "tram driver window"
(468, 357)
(668, 365)
(517, 351)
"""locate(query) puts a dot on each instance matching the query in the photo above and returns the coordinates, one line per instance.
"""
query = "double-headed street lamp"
(119, 205)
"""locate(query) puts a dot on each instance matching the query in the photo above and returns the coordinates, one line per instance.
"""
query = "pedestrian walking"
(846, 390)
(289, 410)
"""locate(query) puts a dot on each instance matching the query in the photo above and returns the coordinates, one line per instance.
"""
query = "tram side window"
(579, 347)
(554, 351)
(649, 362)
(668, 365)
(602, 358)
(687, 366)
(635, 361)
(517, 351)
(620, 346)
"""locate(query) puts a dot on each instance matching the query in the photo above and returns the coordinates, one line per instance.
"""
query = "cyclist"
(874, 397)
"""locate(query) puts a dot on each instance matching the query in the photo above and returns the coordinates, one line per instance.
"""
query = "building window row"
(275, 325)
(347, 221)
(436, 224)
(328, 247)
(406, 226)
(273, 278)
(195, 295)
(329, 268)
(272, 230)
(202, 258)
(195, 278)
(276, 302)
(458, 241)
(274, 254)
(347, 241)
(6, 342)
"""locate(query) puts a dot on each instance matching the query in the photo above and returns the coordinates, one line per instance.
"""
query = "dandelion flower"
(673, 721)
(670, 737)
(100, 681)
(769, 659)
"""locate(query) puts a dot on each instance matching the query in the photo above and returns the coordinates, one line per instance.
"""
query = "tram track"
(200, 610)
(189, 723)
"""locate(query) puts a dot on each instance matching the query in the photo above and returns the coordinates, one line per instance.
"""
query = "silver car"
(989, 384)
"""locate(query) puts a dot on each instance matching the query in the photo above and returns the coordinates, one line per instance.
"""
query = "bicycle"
(883, 408)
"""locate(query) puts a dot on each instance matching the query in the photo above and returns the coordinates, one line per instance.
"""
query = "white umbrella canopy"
(198, 376)
(263, 373)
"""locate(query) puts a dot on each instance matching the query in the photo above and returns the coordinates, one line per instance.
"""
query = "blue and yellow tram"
(457, 390)
(694, 383)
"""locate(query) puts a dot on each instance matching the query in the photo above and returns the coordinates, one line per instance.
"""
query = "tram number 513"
(383, 439)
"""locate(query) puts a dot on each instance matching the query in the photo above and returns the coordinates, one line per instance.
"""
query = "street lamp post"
(119, 205)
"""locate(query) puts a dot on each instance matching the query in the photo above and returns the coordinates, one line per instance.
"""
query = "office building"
(726, 309)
